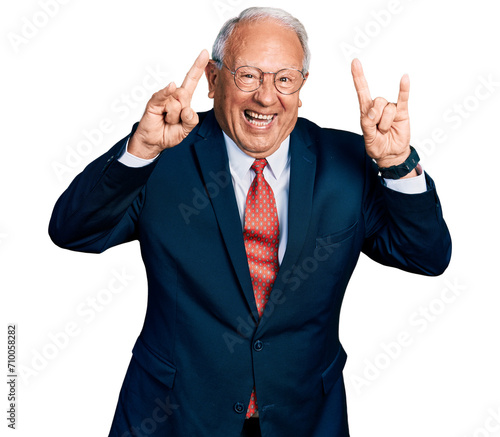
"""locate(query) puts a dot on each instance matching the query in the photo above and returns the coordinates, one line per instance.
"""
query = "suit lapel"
(302, 175)
(212, 157)
(213, 160)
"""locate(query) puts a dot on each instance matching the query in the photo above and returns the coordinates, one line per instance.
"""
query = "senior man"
(250, 222)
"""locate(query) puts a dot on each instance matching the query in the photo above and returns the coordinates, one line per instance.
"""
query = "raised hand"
(168, 117)
(385, 126)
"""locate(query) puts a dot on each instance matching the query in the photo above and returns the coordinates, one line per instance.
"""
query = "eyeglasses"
(286, 81)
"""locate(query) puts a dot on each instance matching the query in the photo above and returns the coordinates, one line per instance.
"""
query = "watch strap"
(401, 170)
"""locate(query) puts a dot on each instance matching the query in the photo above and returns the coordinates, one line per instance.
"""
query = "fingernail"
(371, 114)
(189, 115)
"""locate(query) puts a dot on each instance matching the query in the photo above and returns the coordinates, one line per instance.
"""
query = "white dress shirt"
(277, 175)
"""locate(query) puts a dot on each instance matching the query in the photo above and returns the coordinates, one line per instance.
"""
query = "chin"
(259, 150)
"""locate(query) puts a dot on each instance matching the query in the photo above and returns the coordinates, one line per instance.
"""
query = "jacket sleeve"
(100, 207)
(406, 231)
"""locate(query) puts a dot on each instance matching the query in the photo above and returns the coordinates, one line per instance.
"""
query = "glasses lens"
(288, 80)
(248, 78)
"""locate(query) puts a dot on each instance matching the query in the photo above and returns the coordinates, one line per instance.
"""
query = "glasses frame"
(262, 78)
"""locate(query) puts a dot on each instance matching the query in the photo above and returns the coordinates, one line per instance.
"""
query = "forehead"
(266, 44)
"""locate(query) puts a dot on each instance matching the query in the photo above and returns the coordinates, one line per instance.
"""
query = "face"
(257, 121)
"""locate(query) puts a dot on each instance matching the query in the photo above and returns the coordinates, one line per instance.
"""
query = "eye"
(247, 74)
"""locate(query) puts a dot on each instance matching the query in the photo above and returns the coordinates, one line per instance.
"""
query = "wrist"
(141, 150)
(393, 160)
(399, 167)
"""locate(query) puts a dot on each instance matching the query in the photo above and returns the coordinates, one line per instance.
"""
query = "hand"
(385, 126)
(168, 117)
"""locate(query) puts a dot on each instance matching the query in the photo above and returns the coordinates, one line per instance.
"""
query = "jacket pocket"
(334, 370)
(153, 364)
(337, 238)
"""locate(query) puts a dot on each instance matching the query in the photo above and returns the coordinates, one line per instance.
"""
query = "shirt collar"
(240, 162)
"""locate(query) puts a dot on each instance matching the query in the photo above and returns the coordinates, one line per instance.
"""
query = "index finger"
(361, 85)
(195, 72)
(404, 93)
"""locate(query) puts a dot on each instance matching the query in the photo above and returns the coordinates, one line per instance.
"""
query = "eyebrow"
(239, 63)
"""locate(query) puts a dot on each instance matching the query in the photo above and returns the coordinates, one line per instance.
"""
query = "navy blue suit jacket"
(202, 347)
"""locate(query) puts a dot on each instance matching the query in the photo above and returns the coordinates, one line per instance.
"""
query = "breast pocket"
(338, 238)
(336, 256)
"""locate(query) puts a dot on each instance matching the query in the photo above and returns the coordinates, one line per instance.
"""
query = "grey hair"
(256, 14)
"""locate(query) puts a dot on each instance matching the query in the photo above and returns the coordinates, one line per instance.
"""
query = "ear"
(306, 76)
(212, 74)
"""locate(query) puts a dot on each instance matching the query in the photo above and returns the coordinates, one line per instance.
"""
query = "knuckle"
(191, 77)
(155, 96)
(172, 105)
(182, 94)
(389, 110)
(380, 101)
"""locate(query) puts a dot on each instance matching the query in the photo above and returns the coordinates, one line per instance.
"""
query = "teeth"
(252, 117)
(259, 116)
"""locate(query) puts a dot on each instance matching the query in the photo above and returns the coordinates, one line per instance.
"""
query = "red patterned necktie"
(261, 236)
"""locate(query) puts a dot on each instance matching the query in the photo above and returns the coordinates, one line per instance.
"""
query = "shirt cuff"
(414, 185)
(134, 161)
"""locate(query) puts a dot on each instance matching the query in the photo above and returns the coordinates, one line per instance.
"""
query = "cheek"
(290, 103)
(234, 106)
(292, 110)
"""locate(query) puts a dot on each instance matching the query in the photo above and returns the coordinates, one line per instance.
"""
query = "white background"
(69, 74)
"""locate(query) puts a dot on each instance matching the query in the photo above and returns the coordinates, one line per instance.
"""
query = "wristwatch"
(398, 171)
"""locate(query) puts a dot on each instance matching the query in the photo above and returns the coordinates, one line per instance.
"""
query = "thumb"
(189, 119)
(369, 120)
(371, 114)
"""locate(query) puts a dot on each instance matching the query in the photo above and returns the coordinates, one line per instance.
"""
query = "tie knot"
(258, 165)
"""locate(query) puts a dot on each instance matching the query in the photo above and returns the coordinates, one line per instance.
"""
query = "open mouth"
(258, 119)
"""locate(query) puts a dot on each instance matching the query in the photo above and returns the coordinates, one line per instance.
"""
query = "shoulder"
(328, 140)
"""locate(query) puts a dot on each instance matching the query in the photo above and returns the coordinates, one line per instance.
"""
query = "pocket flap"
(337, 237)
(156, 366)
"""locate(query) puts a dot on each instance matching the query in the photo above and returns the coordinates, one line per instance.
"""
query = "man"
(250, 222)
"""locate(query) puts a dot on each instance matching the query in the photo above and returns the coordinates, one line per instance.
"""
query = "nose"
(267, 93)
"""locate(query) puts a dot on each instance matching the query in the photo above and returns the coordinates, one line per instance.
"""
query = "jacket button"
(258, 346)
(239, 407)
